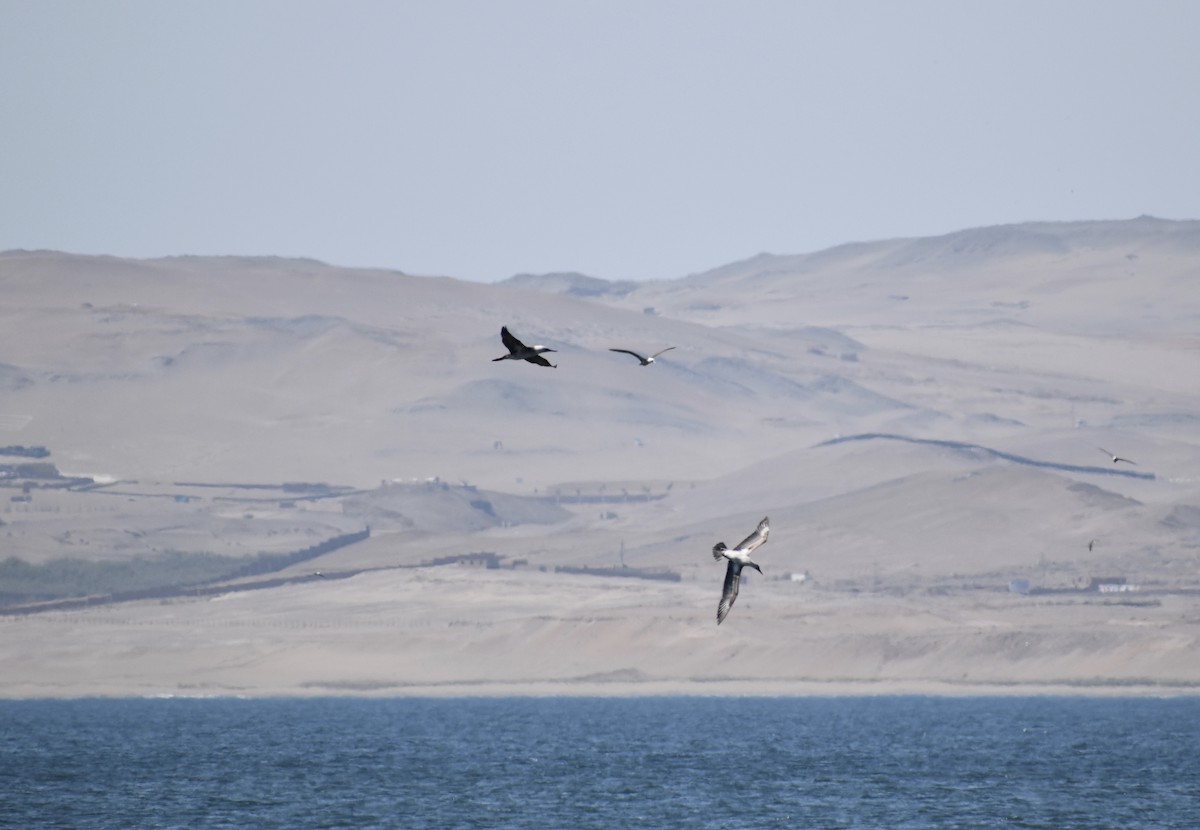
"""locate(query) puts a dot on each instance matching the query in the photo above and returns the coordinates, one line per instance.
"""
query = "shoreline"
(624, 689)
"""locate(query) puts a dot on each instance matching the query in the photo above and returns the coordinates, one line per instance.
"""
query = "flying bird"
(1116, 458)
(739, 558)
(645, 361)
(1091, 544)
(519, 351)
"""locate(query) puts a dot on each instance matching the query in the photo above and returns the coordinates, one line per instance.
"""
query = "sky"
(624, 139)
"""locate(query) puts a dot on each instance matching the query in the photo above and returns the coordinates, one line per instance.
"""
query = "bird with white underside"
(644, 361)
(738, 558)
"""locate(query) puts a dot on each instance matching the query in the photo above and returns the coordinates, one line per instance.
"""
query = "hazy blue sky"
(621, 139)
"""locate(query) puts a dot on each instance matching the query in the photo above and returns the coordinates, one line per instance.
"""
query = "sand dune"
(920, 418)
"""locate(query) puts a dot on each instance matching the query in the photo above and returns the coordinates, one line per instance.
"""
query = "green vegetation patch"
(145, 576)
(21, 581)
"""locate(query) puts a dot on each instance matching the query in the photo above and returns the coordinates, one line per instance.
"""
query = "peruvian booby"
(645, 361)
(739, 558)
(519, 351)
(1116, 458)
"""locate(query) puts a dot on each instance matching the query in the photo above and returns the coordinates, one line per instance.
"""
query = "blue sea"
(877, 762)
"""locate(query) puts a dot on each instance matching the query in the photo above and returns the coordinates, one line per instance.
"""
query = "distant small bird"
(318, 573)
(646, 361)
(1116, 458)
(519, 351)
(1091, 544)
(738, 558)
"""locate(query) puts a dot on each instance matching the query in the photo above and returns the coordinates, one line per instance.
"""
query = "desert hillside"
(276, 476)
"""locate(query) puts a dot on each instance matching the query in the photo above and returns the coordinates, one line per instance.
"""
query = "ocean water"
(880, 762)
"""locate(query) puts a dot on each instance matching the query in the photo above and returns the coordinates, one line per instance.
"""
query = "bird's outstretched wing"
(541, 361)
(511, 343)
(626, 351)
(756, 538)
(733, 576)
(667, 349)
(1115, 458)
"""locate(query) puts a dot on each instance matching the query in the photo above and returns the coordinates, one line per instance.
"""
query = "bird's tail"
(719, 550)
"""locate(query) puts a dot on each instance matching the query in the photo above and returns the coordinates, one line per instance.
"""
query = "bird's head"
(755, 566)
